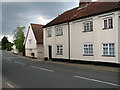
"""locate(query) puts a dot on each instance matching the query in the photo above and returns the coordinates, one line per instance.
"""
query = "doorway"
(49, 52)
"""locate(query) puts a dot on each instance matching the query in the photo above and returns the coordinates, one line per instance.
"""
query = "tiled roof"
(93, 8)
(38, 32)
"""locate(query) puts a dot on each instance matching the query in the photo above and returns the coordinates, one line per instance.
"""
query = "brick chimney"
(84, 1)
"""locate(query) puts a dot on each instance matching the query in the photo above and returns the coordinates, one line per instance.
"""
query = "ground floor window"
(88, 49)
(59, 49)
(30, 51)
(108, 49)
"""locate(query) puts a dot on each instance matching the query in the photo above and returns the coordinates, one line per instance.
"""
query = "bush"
(33, 55)
(45, 58)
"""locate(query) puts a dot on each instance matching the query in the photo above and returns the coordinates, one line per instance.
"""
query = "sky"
(22, 13)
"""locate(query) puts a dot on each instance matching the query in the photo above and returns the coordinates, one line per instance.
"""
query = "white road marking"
(113, 84)
(46, 69)
(33, 66)
(42, 69)
(10, 85)
(19, 63)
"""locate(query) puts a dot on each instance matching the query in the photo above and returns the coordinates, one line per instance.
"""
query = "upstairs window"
(108, 23)
(30, 41)
(59, 50)
(88, 49)
(88, 26)
(59, 31)
(49, 32)
(108, 49)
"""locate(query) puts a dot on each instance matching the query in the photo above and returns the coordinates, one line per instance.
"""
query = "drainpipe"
(69, 40)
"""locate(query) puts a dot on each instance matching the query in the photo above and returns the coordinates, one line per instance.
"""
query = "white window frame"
(109, 25)
(30, 41)
(30, 51)
(49, 33)
(110, 53)
(59, 31)
(89, 49)
(90, 26)
(59, 48)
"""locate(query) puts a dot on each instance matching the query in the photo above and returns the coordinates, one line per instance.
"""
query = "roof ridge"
(36, 24)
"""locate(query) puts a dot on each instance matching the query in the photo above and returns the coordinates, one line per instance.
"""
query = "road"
(20, 72)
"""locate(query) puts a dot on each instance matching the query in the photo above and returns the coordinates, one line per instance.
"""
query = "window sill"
(60, 35)
(108, 55)
(107, 28)
(58, 54)
(87, 55)
(49, 36)
(87, 31)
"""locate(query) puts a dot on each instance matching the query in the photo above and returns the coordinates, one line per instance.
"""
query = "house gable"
(30, 35)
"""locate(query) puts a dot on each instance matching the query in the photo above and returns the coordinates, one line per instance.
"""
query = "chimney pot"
(84, 1)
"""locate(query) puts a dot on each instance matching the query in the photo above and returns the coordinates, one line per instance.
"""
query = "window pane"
(105, 49)
(91, 26)
(30, 41)
(111, 49)
(110, 22)
(105, 23)
(87, 26)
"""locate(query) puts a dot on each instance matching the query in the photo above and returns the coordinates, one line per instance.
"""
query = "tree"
(4, 41)
(19, 38)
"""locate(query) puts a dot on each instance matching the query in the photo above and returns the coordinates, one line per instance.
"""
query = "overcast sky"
(22, 13)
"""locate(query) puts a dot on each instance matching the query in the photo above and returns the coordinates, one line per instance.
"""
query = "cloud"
(40, 0)
(22, 13)
(42, 20)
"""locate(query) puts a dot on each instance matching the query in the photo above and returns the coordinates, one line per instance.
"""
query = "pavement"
(21, 72)
(97, 67)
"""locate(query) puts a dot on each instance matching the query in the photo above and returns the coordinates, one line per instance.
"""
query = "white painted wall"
(78, 38)
(33, 45)
(40, 51)
(54, 40)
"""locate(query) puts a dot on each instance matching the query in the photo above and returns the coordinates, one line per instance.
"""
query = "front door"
(50, 52)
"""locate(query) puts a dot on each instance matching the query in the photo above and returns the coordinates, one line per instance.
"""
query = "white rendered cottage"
(90, 32)
(34, 41)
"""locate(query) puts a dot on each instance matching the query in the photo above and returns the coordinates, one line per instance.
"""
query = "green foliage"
(19, 38)
(4, 41)
(32, 54)
(9, 46)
